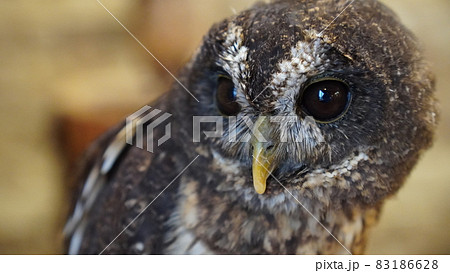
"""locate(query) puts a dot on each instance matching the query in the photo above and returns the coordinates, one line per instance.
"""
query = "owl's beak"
(263, 155)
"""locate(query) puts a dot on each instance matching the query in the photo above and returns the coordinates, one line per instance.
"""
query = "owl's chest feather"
(226, 228)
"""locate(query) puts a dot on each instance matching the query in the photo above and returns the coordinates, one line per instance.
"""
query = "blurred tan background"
(68, 71)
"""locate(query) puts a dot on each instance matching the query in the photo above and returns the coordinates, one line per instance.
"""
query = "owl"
(285, 133)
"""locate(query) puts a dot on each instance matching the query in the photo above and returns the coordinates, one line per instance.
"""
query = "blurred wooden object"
(80, 129)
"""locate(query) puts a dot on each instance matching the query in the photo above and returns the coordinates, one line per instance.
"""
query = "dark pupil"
(325, 100)
(226, 97)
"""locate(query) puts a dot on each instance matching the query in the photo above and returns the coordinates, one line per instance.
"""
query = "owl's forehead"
(271, 57)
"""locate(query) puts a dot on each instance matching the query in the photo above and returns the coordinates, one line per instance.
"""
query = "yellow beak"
(263, 158)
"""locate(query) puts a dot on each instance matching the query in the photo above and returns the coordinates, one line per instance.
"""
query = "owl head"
(329, 100)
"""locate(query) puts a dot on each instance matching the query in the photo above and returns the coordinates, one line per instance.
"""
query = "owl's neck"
(221, 226)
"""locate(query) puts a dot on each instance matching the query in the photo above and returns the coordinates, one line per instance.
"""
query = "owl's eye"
(226, 96)
(326, 100)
